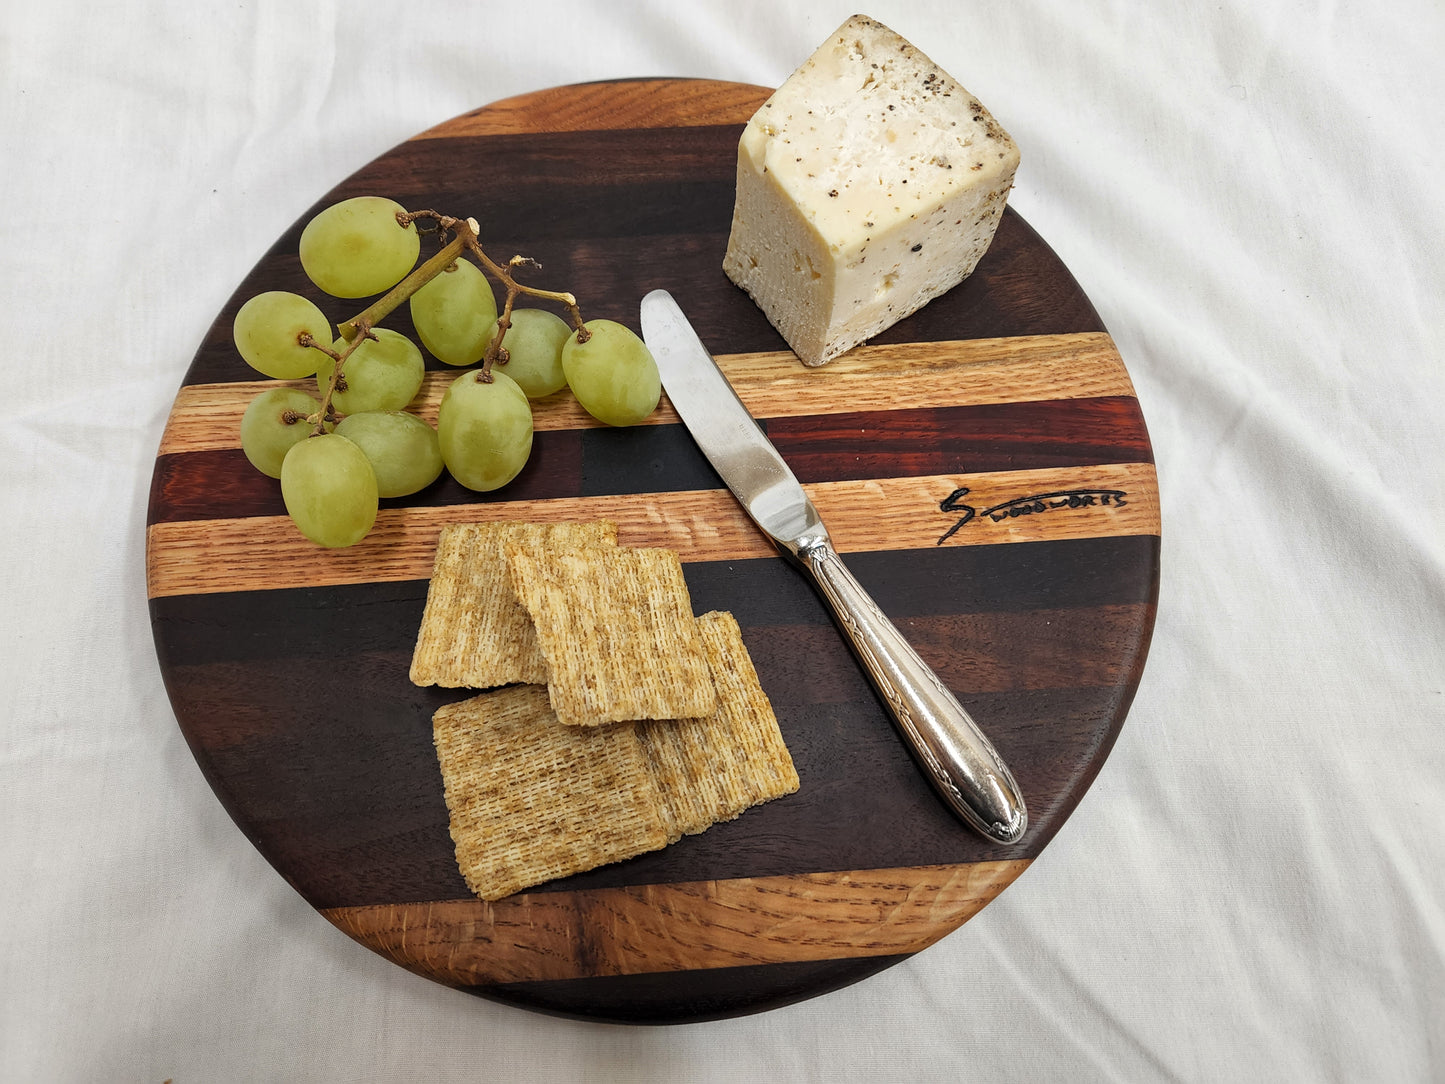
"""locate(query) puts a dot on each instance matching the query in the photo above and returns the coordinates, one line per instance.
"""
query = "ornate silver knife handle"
(957, 757)
(960, 762)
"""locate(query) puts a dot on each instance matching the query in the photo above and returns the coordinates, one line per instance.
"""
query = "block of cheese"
(867, 185)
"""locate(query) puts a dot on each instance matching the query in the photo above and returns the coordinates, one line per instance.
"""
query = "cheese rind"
(867, 185)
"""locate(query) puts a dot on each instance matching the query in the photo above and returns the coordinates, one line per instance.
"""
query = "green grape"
(454, 313)
(381, 374)
(273, 422)
(534, 343)
(330, 490)
(485, 430)
(266, 330)
(613, 374)
(403, 449)
(356, 248)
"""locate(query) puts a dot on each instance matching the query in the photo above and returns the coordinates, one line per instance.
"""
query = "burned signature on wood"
(1027, 506)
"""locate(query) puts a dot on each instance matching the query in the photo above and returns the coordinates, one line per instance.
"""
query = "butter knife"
(953, 752)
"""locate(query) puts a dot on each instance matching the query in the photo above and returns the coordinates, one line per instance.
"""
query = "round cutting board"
(983, 466)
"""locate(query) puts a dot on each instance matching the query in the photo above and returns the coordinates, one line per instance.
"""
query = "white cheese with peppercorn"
(867, 185)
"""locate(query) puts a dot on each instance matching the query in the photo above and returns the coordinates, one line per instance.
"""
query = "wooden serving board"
(983, 466)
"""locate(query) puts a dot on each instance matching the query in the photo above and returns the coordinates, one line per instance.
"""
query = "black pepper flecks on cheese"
(866, 115)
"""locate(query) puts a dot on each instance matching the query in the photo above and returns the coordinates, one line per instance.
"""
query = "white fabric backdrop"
(1249, 191)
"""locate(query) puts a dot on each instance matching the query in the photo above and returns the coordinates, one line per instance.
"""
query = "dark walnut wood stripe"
(677, 927)
(1047, 659)
(370, 826)
(947, 581)
(685, 997)
(1020, 291)
(202, 556)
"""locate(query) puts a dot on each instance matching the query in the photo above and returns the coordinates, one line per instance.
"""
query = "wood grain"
(200, 556)
(626, 103)
(983, 465)
(674, 927)
(1042, 650)
(843, 446)
(771, 384)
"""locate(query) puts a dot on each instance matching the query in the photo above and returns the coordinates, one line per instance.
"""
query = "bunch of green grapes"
(338, 452)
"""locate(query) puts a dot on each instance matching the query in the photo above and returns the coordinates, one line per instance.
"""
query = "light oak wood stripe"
(970, 372)
(637, 103)
(678, 927)
(204, 556)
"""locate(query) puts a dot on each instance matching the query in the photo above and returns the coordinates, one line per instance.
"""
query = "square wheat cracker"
(531, 800)
(711, 770)
(617, 628)
(474, 633)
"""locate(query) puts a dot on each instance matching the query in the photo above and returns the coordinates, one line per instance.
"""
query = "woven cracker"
(532, 800)
(474, 634)
(617, 628)
(710, 770)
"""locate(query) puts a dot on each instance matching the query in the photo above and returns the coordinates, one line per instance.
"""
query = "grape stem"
(358, 329)
(337, 383)
(385, 305)
(467, 237)
(496, 353)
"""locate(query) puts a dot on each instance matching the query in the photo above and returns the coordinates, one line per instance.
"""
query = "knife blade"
(955, 755)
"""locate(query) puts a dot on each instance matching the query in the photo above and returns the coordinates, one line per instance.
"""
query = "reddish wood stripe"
(650, 928)
(220, 483)
(973, 439)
